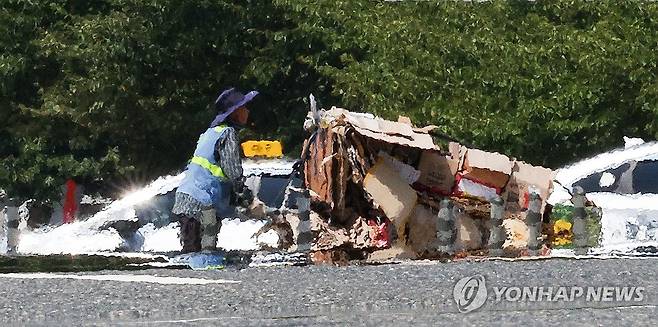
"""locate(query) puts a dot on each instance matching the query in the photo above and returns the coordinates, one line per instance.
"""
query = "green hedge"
(113, 92)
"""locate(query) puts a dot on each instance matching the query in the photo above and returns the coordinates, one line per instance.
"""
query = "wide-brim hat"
(229, 101)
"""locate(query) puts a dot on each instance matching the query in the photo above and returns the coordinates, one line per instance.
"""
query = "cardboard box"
(488, 168)
(517, 235)
(437, 172)
(471, 188)
(405, 171)
(469, 236)
(457, 152)
(422, 229)
(524, 178)
(392, 254)
(392, 193)
(385, 130)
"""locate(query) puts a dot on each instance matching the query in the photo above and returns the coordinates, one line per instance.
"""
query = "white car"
(624, 184)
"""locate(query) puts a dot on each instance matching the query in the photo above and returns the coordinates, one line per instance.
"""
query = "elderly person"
(214, 171)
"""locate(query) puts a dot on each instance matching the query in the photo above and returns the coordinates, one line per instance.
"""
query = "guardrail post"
(533, 221)
(10, 221)
(304, 239)
(445, 228)
(497, 234)
(579, 227)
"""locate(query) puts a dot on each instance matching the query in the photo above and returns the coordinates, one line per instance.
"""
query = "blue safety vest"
(204, 179)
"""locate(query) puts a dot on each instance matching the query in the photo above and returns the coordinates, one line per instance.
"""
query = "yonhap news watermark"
(473, 292)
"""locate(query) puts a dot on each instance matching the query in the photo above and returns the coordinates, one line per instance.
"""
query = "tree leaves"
(94, 90)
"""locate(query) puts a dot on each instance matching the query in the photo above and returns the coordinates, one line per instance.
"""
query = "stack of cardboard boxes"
(366, 174)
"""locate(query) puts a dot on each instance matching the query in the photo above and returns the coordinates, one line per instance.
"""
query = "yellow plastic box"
(269, 149)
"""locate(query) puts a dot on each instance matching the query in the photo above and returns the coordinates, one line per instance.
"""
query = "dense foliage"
(118, 90)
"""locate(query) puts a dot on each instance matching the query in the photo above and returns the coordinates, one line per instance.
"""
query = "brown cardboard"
(469, 236)
(333, 257)
(318, 170)
(437, 172)
(360, 233)
(408, 173)
(405, 120)
(517, 235)
(526, 176)
(330, 237)
(425, 129)
(472, 189)
(422, 229)
(457, 152)
(396, 253)
(392, 193)
(384, 130)
(488, 168)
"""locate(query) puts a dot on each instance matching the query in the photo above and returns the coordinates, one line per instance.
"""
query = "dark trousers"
(190, 234)
(198, 235)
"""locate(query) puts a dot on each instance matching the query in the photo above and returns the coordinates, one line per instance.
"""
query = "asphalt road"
(417, 293)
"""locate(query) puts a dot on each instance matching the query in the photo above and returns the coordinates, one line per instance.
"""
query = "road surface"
(417, 293)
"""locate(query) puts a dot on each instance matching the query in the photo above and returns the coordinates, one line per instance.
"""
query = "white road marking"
(124, 278)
